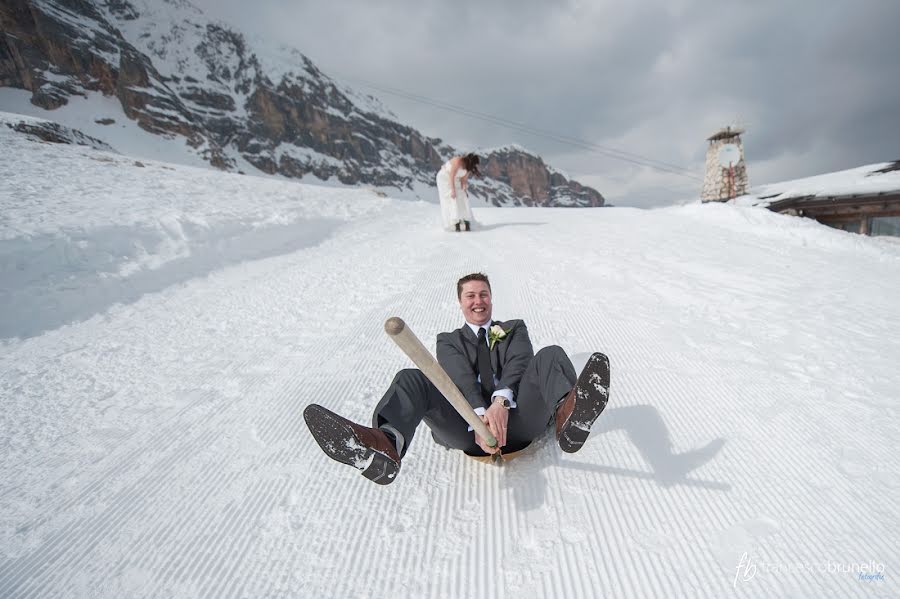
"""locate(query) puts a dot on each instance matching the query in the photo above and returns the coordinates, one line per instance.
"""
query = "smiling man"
(516, 392)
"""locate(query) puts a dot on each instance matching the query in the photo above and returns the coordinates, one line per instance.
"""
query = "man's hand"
(496, 418)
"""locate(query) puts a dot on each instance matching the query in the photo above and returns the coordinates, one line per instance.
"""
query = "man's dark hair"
(475, 276)
(470, 163)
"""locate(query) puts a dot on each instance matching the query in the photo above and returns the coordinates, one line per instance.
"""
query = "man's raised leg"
(401, 410)
(547, 380)
(377, 450)
(549, 388)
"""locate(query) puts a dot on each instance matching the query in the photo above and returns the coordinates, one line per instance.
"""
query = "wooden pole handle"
(421, 357)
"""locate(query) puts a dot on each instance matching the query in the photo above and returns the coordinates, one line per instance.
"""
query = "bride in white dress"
(453, 186)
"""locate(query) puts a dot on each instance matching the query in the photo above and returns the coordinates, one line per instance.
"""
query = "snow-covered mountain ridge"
(236, 103)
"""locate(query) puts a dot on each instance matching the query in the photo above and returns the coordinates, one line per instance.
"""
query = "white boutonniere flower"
(495, 334)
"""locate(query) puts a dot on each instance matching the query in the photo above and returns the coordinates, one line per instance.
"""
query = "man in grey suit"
(515, 391)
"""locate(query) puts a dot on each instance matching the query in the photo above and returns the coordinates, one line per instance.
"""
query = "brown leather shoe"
(564, 410)
(367, 449)
(577, 412)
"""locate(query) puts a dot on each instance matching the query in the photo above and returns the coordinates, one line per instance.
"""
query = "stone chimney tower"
(726, 171)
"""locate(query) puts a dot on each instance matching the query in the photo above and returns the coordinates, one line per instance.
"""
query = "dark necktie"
(484, 366)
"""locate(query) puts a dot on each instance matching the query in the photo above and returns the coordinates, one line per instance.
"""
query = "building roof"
(725, 133)
(884, 199)
(872, 182)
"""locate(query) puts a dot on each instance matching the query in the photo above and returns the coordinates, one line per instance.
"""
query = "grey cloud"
(816, 82)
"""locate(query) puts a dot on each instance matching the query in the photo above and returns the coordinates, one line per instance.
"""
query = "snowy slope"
(154, 445)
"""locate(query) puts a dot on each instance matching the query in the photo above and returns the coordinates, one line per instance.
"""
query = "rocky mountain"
(51, 132)
(239, 104)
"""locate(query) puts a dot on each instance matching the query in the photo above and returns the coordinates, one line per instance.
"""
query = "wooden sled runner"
(502, 457)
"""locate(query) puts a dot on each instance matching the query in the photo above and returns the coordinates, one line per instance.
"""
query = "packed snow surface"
(163, 328)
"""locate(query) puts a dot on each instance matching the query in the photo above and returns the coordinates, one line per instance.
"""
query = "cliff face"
(178, 74)
(532, 182)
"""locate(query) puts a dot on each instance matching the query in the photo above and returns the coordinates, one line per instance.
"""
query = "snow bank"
(114, 228)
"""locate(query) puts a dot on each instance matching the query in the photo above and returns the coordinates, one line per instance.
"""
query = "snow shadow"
(47, 281)
(647, 431)
(650, 435)
(481, 227)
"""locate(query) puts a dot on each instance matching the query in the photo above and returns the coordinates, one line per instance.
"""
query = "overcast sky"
(816, 83)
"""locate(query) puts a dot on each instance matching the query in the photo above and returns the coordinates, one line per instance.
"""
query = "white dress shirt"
(505, 392)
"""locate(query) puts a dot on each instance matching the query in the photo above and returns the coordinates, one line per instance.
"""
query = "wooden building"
(874, 210)
(869, 214)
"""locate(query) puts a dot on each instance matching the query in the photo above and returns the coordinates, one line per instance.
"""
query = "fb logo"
(749, 570)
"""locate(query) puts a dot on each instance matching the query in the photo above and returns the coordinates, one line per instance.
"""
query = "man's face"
(475, 302)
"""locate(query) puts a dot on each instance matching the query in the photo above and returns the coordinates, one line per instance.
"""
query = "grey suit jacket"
(457, 353)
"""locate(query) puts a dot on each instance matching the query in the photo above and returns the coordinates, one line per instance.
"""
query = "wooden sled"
(501, 457)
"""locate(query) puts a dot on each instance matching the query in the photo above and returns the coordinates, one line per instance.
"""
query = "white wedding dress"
(453, 211)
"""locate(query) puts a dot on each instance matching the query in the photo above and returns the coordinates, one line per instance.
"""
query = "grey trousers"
(412, 398)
